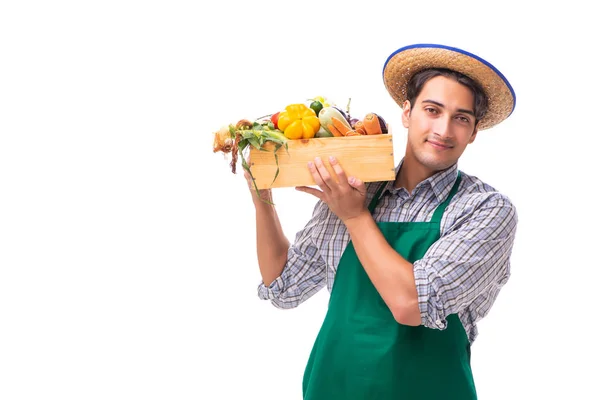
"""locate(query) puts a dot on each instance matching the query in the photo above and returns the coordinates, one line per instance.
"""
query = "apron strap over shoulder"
(375, 199)
(439, 211)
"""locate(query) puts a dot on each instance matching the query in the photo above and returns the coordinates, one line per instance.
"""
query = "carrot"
(360, 128)
(371, 124)
(343, 129)
(334, 131)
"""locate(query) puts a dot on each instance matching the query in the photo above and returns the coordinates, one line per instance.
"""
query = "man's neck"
(411, 174)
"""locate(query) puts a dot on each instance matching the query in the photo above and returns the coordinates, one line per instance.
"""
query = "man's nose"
(442, 126)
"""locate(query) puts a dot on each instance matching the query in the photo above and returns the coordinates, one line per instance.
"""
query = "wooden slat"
(369, 158)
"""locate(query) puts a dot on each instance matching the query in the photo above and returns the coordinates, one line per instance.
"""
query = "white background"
(127, 263)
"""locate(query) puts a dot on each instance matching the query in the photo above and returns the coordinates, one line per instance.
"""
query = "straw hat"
(402, 64)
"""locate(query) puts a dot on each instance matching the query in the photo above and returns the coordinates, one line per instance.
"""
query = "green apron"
(361, 352)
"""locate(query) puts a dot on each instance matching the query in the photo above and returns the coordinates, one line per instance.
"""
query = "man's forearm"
(390, 273)
(271, 243)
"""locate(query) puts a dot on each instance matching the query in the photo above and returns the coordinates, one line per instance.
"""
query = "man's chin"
(435, 163)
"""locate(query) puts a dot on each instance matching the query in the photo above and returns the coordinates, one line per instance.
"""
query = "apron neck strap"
(439, 211)
(375, 199)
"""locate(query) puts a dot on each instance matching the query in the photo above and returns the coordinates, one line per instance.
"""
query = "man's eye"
(430, 110)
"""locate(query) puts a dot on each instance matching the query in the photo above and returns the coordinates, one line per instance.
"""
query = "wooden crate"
(369, 158)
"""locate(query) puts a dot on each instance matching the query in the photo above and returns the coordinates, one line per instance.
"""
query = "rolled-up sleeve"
(468, 263)
(304, 272)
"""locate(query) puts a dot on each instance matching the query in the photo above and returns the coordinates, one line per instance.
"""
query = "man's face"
(440, 124)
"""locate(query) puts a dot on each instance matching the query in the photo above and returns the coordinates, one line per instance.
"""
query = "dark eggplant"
(344, 114)
(382, 124)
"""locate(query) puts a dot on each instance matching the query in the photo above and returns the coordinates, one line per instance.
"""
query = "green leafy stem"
(258, 136)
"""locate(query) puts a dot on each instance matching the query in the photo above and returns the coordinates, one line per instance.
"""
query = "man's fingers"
(341, 175)
(327, 178)
(357, 184)
(315, 174)
(320, 174)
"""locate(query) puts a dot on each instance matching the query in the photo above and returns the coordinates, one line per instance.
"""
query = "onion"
(223, 140)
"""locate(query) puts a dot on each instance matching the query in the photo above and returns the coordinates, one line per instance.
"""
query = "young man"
(412, 264)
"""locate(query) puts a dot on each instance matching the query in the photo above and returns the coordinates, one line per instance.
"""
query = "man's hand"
(345, 198)
(263, 195)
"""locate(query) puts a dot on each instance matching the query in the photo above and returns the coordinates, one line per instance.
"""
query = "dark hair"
(418, 80)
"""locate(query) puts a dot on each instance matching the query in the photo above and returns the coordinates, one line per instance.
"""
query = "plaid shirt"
(462, 273)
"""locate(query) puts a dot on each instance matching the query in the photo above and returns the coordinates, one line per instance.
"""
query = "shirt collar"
(441, 182)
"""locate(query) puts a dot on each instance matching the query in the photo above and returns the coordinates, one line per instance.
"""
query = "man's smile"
(438, 145)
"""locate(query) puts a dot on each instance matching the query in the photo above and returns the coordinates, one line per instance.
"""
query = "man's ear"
(405, 113)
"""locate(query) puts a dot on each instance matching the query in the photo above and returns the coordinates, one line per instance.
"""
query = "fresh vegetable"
(326, 115)
(316, 118)
(298, 122)
(236, 138)
(343, 113)
(243, 124)
(223, 140)
(275, 119)
(316, 106)
(339, 128)
(321, 100)
(383, 124)
(372, 125)
(360, 127)
(351, 121)
(322, 132)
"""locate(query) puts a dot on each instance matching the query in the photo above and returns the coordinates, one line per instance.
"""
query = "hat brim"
(407, 61)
